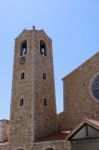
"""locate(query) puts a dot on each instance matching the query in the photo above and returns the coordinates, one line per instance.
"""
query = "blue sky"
(73, 26)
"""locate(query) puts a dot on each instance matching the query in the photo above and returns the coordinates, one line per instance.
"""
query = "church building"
(34, 123)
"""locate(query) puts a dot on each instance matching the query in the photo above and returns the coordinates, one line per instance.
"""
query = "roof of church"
(91, 122)
(56, 136)
(94, 123)
(31, 30)
(88, 60)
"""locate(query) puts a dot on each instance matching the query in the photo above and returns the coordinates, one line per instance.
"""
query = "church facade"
(34, 123)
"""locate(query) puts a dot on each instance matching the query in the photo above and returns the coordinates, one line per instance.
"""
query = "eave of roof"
(97, 53)
(56, 136)
(91, 122)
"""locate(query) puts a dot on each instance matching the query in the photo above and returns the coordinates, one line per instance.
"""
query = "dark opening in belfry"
(43, 48)
(23, 48)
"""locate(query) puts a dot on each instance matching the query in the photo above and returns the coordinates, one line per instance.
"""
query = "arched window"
(22, 75)
(43, 48)
(23, 48)
(21, 102)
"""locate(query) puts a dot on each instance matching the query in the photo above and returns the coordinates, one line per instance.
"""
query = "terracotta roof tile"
(56, 136)
(93, 122)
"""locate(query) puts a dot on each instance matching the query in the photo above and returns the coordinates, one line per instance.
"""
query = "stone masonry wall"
(4, 130)
(55, 145)
(44, 116)
(78, 102)
(21, 124)
(32, 120)
(4, 146)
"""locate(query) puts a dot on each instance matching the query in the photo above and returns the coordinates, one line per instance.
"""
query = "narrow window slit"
(21, 102)
(22, 75)
(44, 76)
(45, 102)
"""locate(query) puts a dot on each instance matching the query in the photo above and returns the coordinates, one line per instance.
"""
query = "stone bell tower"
(33, 105)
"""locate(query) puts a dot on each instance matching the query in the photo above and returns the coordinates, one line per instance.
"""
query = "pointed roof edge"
(24, 30)
(91, 122)
(33, 29)
(42, 30)
(80, 65)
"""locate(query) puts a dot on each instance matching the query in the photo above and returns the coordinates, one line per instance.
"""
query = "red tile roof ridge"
(61, 135)
(93, 122)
